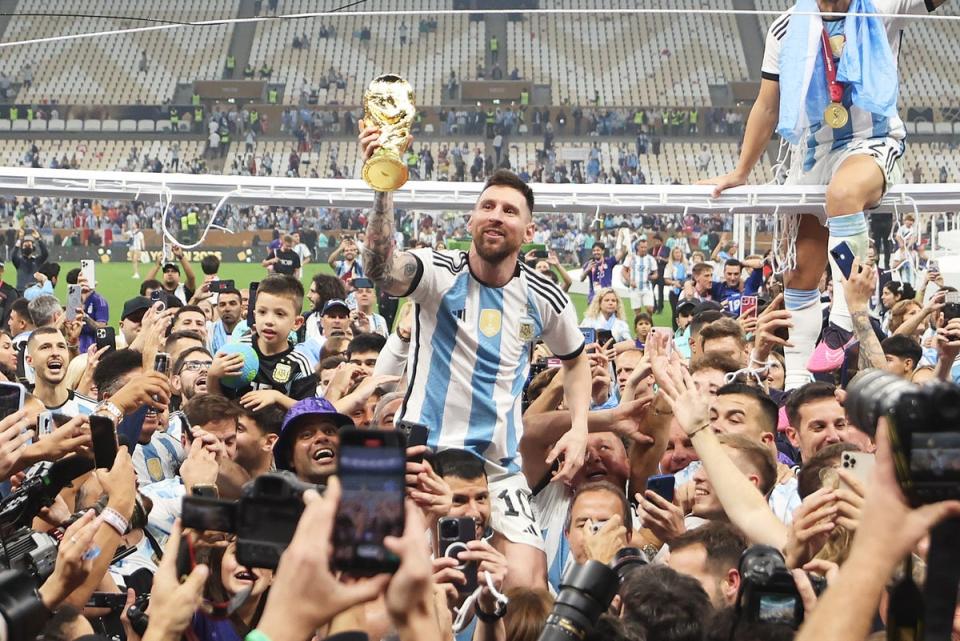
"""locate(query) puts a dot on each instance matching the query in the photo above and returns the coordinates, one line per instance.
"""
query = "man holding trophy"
(477, 314)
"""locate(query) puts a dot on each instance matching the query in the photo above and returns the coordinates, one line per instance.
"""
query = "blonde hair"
(899, 312)
(594, 310)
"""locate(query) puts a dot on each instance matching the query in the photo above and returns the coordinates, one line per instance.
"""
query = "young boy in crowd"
(285, 375)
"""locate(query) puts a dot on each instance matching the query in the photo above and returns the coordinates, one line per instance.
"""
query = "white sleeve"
(904, 7)
(561, 332)
(426, 284)
(770, 69)
(393, 356)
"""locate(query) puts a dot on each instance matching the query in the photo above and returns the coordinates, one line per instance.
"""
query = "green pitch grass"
(114, 283)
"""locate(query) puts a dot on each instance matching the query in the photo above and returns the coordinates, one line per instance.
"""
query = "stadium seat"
(163, 125)
(38, 125)
(128, 125)
(74, 124)
(91, 125)
(4, 124)
(146, 125)
(20, 125)
(110, 125)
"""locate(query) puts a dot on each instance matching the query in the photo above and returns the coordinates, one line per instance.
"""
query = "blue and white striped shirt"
(470, 354)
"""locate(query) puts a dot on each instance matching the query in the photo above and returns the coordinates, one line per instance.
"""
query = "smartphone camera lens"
(450, 529)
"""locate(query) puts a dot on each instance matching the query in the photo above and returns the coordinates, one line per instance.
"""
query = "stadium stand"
(930, 157)
(426, 61)
(106, 70)
(97, 154)
(652, 59)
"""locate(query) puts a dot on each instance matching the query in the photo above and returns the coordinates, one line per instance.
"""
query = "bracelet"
(256, 635)
(493, 617)
(700, 428)
(115, 520)
(111, 408)
(764, 365)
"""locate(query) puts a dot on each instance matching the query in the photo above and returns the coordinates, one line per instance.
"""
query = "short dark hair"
(601, 486)
(669, 605)
(185, 310)
(175, 336)
(113, 366)
(723, 328)
(716, 361)
(210, 264)
(331, 362)
(506, 178)
(150, 283)
(22, 307)
(699, 268)
(231, 291)
(73, 276)
(178, 365)
(41, 331)
(269, 419)
(642, 316)
(768, 408)
(902, 347)
(732, 262)
(204, 408)
(601, 246)
(328, 287)
(283, 286)
(809, 393)
(52, 270)
(703, 319)
(904, 290)
(762, 459)
(366, 342)
(722, 541)
(460, 464)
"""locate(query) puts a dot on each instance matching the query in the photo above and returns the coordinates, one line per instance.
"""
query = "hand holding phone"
(663, 485)
(843, 255)
(104, 437)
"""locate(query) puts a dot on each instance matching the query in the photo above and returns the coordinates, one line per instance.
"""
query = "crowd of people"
(551, 440)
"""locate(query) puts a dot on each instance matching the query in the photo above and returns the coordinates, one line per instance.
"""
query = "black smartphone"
(951, 306)
(252, 304)
(161, 363)
(604, 336)
(11, 398)
(104, 437)
(106, 337)
(156, 296)
(662, 484)
(540, 254)
(416, 433)
(371, 472)
(201, 513)
(844, 257)
(453, 535)
(220, 286)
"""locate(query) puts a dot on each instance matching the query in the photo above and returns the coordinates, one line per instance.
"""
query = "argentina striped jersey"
(470, 354)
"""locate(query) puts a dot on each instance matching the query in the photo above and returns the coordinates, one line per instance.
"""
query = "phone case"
(860, 464)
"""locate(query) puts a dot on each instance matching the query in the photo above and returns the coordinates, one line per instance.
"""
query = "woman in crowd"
(674, 274)
(606, 312)
(228, 580)
(893, 292)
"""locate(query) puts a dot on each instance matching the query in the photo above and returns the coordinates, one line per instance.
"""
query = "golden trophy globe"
(388, 105)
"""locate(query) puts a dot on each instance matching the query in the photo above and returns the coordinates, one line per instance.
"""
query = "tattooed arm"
(393, 271)
(857, 290)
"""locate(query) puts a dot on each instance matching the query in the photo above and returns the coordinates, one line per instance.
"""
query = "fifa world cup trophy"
(388, 104)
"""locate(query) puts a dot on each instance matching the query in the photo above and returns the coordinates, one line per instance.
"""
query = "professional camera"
(264, 518)
(585, 593)
(38, 491)
(21, 609)
(627, 559)
(924, 435)
(30, 551)
(768, 592)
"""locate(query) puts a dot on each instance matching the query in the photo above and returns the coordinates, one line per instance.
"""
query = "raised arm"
(857, 291)
(335, 255)
(393, 271)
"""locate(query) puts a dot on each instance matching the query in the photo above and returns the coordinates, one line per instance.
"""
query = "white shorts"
(641, 298)
(886, 152)
(511, 510)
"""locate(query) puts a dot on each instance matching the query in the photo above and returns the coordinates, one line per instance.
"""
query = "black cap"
(706, 306)
(686, 308)
(137, 305)
(169, 266)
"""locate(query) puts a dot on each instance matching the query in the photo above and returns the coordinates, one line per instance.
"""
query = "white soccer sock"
(807, 319)
(851, 228)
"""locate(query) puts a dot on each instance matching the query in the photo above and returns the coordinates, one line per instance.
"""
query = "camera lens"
(450, 529)
(872, 394)
(585, 593)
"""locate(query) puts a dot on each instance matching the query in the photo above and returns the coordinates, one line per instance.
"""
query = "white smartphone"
(74, 301)
(87, 268)
(45, 423)
(860, 464)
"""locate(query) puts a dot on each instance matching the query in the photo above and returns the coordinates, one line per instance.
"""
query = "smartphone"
(156, 296)
(104, 438)
(933, 267)
(161, 363)
(843, 256)
(951, 306)
(87, 268)
(604, 336)
(748, 306)
(589, 335)
(202, 513)
(662, 484)
(416, 434)
(45, 423)
(371, 470)
(860, 464)
(74, 301)
(11, 398)
(453, 535)
(106, 337)
(220, 286)
(540, 254)
(111, 600)
(252, 305)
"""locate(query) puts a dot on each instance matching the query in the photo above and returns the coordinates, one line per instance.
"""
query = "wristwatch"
(497, 614)
(205, 491)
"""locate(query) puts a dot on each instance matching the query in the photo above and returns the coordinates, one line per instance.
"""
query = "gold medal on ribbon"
(836, 115)
(836, 44)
